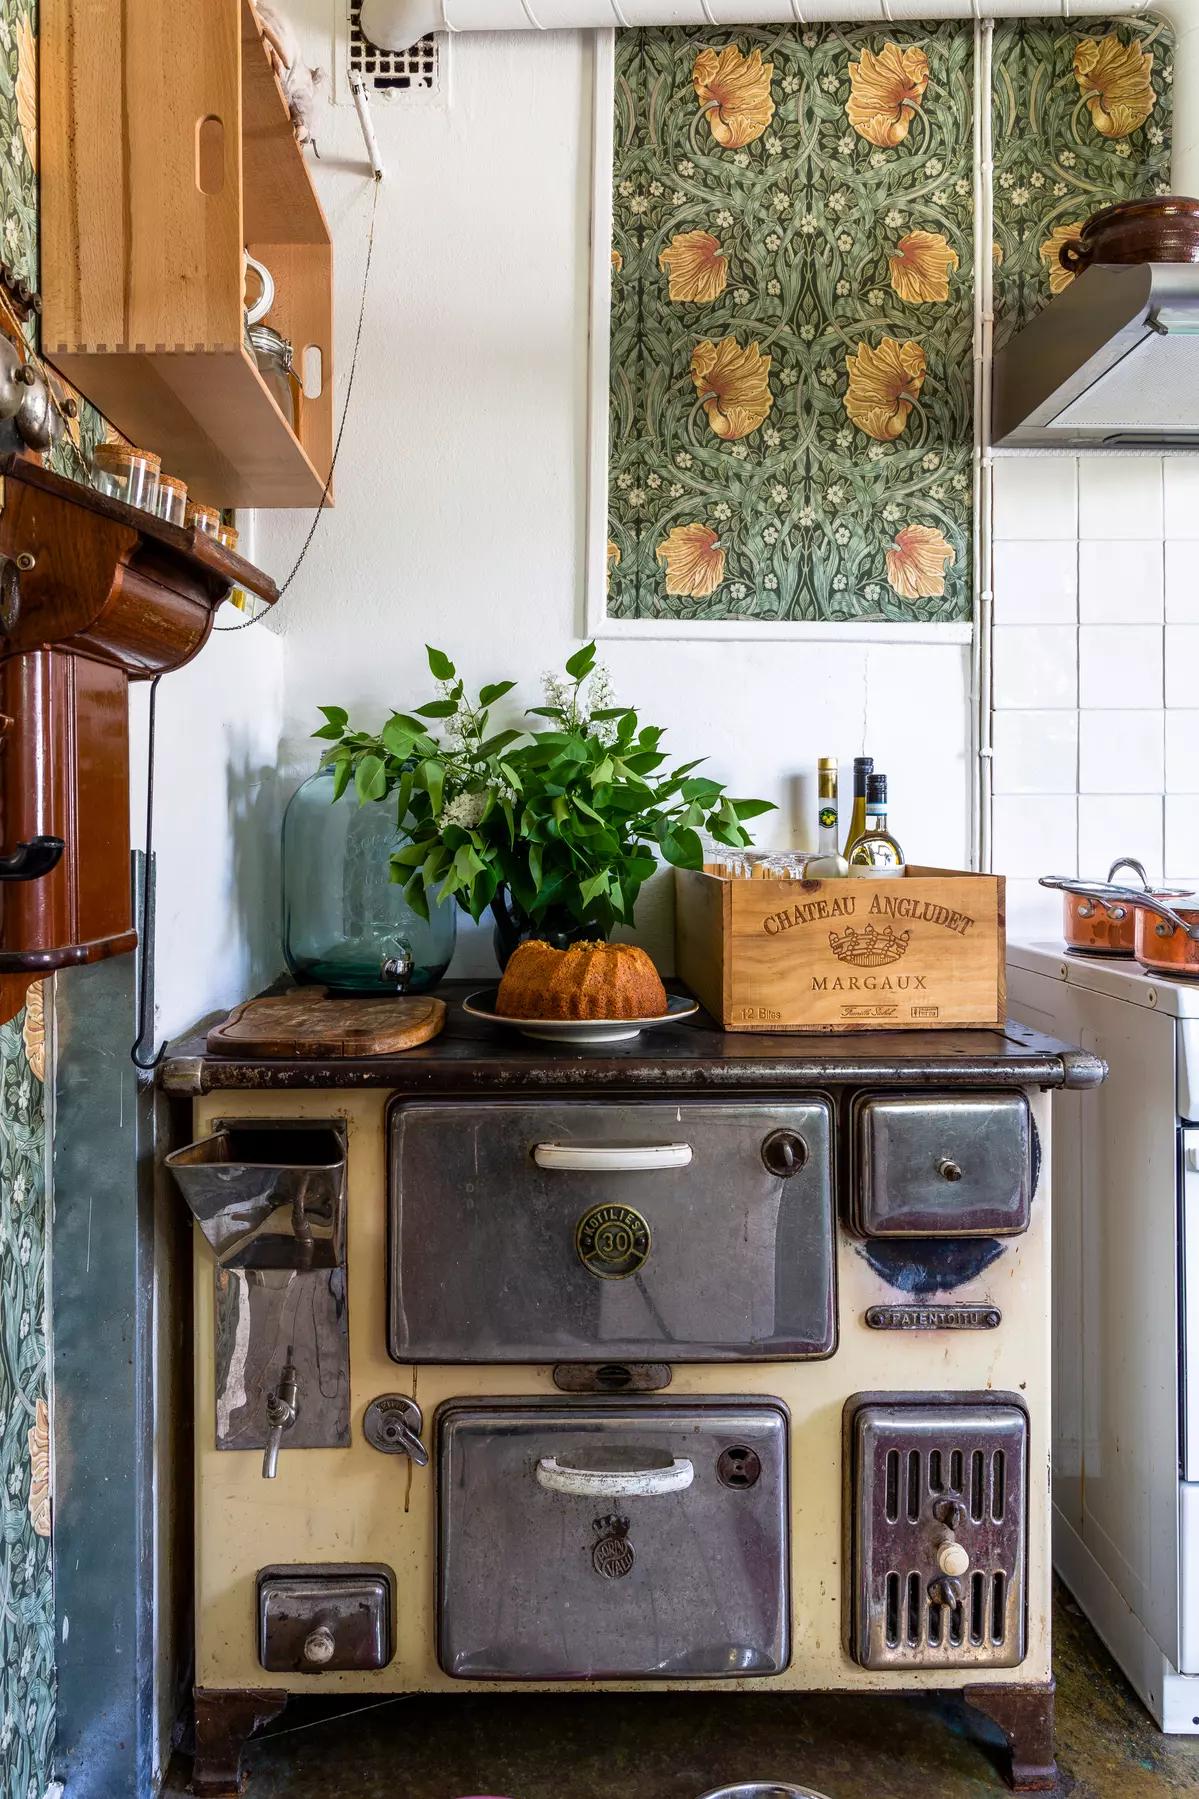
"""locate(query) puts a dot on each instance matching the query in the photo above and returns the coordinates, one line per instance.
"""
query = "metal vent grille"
(924, 1477)
(393, 73)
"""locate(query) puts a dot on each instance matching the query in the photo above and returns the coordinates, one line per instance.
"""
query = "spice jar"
(172, 499)
(204, 518)
(122, 472)
(237, 597)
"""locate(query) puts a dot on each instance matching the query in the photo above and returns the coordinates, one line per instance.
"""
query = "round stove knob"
(784, 1153)
(952, 1559)
(319, 1646)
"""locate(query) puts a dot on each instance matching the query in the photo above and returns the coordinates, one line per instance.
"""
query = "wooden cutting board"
(307, 1024)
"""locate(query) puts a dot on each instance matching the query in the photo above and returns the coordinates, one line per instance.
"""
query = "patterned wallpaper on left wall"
(26, 1590)
(26, 1595)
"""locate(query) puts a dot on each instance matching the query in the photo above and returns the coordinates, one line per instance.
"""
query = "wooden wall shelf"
(93, 594)
(147, 211)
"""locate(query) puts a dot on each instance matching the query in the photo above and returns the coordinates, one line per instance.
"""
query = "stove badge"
(612, 1241)
(612, 1555)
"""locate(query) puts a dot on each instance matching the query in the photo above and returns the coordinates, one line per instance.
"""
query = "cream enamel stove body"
(652, 1388)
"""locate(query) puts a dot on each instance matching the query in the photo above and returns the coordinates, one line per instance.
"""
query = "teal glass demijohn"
(345, 923)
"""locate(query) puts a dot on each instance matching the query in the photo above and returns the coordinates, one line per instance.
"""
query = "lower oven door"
(584, 1231)
(612, 1540)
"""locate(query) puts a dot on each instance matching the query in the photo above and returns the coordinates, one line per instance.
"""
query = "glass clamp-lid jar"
(276, 364)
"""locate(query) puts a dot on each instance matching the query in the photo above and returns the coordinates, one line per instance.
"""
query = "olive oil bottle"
(862, 765)
(828, 863)
(875, 853)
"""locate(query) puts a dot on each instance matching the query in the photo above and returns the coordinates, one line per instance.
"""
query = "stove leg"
(224, 1723)
(1025, 1716)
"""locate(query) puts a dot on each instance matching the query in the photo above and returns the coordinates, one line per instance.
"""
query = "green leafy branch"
(569, 816)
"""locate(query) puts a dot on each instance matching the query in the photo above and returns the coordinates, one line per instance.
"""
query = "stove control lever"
(282, 1410)
(392, 1425)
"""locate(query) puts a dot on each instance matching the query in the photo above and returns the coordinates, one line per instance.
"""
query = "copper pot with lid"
(1099, 917)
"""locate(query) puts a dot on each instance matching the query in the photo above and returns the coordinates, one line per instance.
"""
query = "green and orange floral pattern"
(791, 408)
(1081, 117)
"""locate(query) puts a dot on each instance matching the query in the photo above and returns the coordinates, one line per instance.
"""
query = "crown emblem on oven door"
(870, 948)
(612, 1554)
(612, 1241)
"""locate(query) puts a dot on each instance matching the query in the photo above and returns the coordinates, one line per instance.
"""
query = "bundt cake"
(588, 980)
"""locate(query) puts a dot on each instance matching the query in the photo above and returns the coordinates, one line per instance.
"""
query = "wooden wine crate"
(920, 952)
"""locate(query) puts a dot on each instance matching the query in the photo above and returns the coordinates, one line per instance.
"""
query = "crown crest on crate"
(869, 948)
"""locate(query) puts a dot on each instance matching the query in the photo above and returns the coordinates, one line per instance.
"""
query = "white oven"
(1126, 1311)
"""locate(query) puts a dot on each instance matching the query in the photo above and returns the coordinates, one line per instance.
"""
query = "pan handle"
(1158, 907)
(1138, 868)
(615, 1483)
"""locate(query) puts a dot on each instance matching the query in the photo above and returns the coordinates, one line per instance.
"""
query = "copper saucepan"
(1167, 937)
(1099, 916)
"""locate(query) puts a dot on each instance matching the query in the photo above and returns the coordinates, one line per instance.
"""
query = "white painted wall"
(217, 814)
(461, 490)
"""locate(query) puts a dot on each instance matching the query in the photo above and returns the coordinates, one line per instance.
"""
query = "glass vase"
(343, 917)
(558, 928)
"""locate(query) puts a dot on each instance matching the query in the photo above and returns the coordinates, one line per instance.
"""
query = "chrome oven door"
(612, 1540)
(580, 1231)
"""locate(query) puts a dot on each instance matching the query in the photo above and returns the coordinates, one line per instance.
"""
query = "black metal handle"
(30, 861)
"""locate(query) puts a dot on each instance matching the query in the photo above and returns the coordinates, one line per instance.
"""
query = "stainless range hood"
(1112, 362)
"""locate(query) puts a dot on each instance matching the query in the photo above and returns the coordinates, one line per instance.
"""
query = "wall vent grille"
(393, 74)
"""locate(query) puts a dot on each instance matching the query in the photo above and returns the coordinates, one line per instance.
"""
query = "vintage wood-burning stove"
(697, 1360)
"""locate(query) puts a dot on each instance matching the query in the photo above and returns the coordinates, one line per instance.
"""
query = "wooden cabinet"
(93, 594)
(167, 153)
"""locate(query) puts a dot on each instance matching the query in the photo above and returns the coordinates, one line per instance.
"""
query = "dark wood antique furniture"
(93, 594)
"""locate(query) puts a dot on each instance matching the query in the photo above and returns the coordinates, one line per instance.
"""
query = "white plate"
(577, 1030)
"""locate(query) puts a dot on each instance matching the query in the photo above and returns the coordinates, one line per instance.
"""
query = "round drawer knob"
(953, 1560)
(319, 1646)
(949, 1170)
(784, 1153)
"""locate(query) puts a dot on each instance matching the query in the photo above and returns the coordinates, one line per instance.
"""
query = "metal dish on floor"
(577, 1030)
(763, 1789)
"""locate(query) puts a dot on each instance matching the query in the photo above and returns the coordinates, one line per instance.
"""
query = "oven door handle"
(612, 1158)
(614, 1483)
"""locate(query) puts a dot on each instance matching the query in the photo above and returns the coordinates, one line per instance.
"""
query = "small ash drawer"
(938, 1496)
(943, 1164)
(325, 1620)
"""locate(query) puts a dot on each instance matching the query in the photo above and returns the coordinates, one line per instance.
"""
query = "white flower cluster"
(464, 810)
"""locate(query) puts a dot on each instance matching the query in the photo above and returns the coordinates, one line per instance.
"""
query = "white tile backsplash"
(1119, 824)
(1120, 583)
(1182, 837)
(1181, 478)
(1034, 665)
(1120, 665)
(1120, 496)
(1182, 751)
(1036, 583)
(1182, 582)
(1036, 752)
(1182, 665)
(1035, 834)
(1121, 752)
(1095, 669)
(1036, 496)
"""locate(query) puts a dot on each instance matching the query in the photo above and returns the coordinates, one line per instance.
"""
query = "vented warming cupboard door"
(577, 1231)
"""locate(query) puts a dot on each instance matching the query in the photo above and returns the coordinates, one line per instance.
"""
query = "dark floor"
(675, 1746)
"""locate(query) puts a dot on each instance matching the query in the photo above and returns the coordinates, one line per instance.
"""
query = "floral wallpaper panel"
(1081, 118)
(26, 1596)
(791, 406)
(26, 1592)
